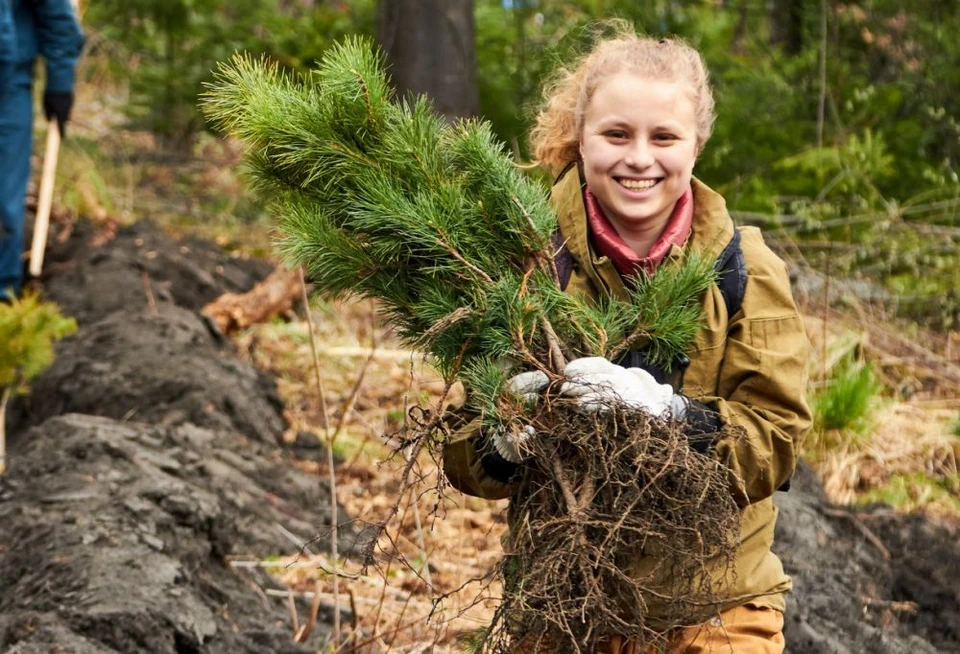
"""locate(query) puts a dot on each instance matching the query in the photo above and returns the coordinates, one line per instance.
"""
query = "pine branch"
(385, 200)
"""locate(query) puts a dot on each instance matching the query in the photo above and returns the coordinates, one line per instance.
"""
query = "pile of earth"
(866, 579)
(148, 453)
(144, 457)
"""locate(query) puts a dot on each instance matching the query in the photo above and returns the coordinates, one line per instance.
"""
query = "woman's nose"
(639, 155)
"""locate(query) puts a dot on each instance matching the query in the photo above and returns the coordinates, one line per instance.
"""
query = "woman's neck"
(640, 236)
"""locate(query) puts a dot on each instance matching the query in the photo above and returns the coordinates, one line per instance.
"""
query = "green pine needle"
(28, 329)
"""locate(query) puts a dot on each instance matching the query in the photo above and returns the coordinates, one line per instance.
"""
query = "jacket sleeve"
(763, 379)
(59, 40)
(8, 44)
(471, 463)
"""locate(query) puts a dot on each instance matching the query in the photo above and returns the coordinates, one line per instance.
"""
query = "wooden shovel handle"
(41, 225)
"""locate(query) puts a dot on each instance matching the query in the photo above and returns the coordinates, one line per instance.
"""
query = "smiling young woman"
(622, 131)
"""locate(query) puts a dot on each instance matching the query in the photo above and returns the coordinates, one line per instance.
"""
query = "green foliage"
(912, 491)
(849, 170)
(847, 397)
(384, 199)
(166, 49)
(955, 428)
(670, 301)
(28, 328)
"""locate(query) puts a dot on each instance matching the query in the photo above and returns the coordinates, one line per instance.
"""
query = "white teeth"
(638, 184)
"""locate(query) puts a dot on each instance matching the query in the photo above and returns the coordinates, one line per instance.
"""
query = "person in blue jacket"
(29, 28)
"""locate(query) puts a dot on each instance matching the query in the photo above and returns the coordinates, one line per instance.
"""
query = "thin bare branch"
(334, 518)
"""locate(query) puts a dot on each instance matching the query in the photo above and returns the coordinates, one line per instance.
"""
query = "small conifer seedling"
(379, 197)
(28, 328)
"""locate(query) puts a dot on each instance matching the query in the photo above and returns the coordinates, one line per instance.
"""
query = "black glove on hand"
(57, 104)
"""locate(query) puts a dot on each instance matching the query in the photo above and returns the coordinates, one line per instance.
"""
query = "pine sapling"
(379, 197)
(28, 328)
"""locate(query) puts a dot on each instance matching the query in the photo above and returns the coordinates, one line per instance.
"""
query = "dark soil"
(148, 454)
(145, 456)
(847, 596)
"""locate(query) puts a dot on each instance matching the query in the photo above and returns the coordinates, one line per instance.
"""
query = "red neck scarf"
(608, 243)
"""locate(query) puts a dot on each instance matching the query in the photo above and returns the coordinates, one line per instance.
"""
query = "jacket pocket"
(777, 342)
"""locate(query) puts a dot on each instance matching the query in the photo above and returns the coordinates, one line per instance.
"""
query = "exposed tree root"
(615, 514)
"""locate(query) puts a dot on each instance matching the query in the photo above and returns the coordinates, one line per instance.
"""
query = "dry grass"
(460, 535)
(906, 439)
(907, 436)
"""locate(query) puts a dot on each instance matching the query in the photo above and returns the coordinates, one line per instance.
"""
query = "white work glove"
(509, 440)
(597, 384)
(528, 384)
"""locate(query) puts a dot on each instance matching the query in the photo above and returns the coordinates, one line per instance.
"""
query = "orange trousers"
(742, 630)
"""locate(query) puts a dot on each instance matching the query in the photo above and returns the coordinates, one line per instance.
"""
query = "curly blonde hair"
(556, 136)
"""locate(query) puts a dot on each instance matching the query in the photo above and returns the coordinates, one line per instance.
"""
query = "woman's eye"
(615, 134)
(665, 136)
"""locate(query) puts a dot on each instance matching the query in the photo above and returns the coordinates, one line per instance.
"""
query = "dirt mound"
(117, 532)
(166, 368)
(865, 581)
(925, 558)
(91, 274)
(146, 455)
(143, 352)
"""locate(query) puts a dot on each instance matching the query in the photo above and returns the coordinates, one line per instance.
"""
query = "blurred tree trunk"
(430, 47)
(786, 25)
(739, 46)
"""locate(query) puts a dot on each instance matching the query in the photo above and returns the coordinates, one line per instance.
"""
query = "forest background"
(837, 121)
(837, 133)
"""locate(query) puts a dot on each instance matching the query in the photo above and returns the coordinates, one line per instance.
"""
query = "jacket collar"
(711, 230)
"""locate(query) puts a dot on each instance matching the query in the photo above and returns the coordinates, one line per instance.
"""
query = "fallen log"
(274, 295)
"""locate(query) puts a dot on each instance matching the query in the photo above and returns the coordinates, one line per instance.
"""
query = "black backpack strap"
(563, 172)
(562, 259)
(731, 270)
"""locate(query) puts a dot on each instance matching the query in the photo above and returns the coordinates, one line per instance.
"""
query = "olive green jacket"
(750, 367)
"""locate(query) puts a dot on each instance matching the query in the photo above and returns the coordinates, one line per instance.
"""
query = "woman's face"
(638, 146)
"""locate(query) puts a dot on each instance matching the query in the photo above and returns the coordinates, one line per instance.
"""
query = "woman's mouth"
(637, 184)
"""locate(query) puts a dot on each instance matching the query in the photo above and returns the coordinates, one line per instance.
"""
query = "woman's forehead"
(632, 95)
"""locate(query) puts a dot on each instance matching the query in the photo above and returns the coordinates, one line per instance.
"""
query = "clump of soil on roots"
(615, 513)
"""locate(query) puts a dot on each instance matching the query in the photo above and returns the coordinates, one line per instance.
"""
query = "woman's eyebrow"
(619, 121)
(613, 121)
(668, 126)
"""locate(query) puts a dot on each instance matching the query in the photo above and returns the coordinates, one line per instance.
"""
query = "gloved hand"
(597, 384)
(57, 104)
(509, 442)
(528, 384)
